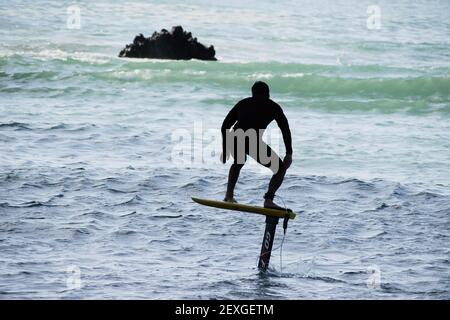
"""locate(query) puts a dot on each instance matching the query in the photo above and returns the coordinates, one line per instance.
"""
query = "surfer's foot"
(230, 199)
(268, 203)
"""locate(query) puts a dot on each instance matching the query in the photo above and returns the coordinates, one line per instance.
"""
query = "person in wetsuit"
(250, 118)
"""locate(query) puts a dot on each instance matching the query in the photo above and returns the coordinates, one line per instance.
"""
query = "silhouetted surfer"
(250, 117)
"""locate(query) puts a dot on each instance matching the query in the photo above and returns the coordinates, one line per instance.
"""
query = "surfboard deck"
(246, 208)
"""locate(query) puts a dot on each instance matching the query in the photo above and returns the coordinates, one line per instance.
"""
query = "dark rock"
(176, 44)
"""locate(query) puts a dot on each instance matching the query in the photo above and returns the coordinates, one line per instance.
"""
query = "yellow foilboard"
(246, 208)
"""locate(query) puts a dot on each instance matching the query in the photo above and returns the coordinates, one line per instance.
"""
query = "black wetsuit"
(256, 113)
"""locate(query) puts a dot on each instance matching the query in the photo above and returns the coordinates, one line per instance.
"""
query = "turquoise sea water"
(91, 178)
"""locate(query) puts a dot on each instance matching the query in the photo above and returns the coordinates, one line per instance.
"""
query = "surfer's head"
(260, 90)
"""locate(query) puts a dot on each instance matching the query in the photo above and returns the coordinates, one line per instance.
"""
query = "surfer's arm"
(283, 123)
(228, 122)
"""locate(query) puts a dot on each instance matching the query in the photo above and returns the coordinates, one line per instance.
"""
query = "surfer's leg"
(233, 176)
(275, 182)
(270, 159)
(239, 157)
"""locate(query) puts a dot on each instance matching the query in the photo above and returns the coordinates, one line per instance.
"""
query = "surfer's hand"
(287, 161)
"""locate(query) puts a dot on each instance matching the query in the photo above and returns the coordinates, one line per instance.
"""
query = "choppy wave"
(292, 79)
(338, 87)
(344, 225)
(15, 126)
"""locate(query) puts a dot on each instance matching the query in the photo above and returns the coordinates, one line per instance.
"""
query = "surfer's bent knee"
(277, 167)
(237, 165)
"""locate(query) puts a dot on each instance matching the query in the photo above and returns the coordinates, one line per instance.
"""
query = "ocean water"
(99, 156)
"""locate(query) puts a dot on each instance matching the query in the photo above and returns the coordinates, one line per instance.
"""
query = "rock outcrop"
(176, 44)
